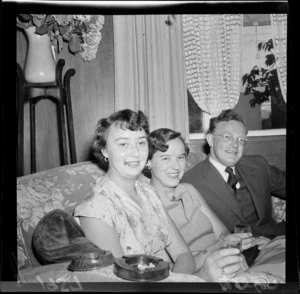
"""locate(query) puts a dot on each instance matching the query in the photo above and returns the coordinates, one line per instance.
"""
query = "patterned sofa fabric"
(63, 187)
(279, 208)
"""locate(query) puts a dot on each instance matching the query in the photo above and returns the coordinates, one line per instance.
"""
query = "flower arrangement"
(82, 32)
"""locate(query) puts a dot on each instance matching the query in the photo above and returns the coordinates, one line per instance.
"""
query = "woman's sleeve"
(99, 207)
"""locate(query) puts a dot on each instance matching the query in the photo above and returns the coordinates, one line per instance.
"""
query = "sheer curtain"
(213, 52)
(149, 69)
(279, 27)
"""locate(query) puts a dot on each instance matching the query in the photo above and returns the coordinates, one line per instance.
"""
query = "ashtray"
(141, 268)
(90, 261)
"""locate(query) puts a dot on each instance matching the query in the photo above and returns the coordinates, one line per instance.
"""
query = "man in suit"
(242, 194)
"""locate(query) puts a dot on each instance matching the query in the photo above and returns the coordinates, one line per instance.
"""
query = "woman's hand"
(222, 264)
(185, 263)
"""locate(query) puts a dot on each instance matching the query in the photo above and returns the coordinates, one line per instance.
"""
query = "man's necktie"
(232, 179)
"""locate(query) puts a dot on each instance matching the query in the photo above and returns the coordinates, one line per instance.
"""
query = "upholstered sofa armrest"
(59, 188)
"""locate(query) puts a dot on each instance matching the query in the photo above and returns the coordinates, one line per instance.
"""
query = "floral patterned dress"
(142, 229)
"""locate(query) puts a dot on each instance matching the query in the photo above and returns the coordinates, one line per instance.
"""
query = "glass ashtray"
(141, 267)
(90, 261)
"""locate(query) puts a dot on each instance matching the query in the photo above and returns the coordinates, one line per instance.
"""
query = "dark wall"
(92, 94)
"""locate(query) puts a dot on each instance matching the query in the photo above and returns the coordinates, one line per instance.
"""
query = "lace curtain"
(213, 52)
(279, 27)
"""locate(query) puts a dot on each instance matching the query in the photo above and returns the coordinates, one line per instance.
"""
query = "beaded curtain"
(213, 51)
(279, 27)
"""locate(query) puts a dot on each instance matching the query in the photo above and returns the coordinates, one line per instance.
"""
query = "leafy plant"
(263, 83)
(81, 32)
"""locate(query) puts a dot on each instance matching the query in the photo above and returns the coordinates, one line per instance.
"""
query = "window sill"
(256, 133)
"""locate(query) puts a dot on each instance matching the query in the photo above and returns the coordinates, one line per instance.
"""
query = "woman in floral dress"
(123, 215)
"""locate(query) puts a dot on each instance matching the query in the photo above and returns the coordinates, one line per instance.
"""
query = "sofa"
(63, 188)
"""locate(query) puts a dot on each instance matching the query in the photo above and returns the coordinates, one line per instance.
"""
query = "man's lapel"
(217, 185)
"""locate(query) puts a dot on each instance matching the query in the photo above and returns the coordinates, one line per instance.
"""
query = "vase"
(40, 62)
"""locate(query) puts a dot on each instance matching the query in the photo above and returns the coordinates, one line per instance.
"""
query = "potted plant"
(82, 33)
(263, 84)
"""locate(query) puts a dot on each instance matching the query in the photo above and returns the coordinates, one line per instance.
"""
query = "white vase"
(40, 63)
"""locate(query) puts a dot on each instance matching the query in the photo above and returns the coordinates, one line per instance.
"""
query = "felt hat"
(59, 238)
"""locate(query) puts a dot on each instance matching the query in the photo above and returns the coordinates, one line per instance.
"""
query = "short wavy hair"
(124, 119)
(159, 138)
(225, 115)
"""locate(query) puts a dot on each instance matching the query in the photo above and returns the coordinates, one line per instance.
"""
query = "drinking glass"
(230, 243)
(242, 228)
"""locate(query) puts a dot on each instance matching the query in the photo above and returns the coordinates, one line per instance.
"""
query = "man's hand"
(222, 264)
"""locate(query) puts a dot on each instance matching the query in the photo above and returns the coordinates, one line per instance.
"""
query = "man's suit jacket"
(262, 181)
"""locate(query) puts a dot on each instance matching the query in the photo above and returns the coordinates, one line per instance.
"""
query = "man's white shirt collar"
(221, 168)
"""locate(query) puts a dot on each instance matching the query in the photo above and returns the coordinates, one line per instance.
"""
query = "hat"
(59, 238)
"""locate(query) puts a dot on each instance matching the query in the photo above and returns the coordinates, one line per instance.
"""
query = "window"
(266, 116)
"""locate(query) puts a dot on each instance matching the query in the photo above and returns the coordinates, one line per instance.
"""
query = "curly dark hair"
(159, 138)
(225, 115)
(124, 119)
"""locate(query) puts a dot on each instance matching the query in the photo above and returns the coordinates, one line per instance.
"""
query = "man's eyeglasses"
(228, 138)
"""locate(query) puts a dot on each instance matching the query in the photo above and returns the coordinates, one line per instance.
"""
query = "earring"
(105, 159)
(148, 166)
